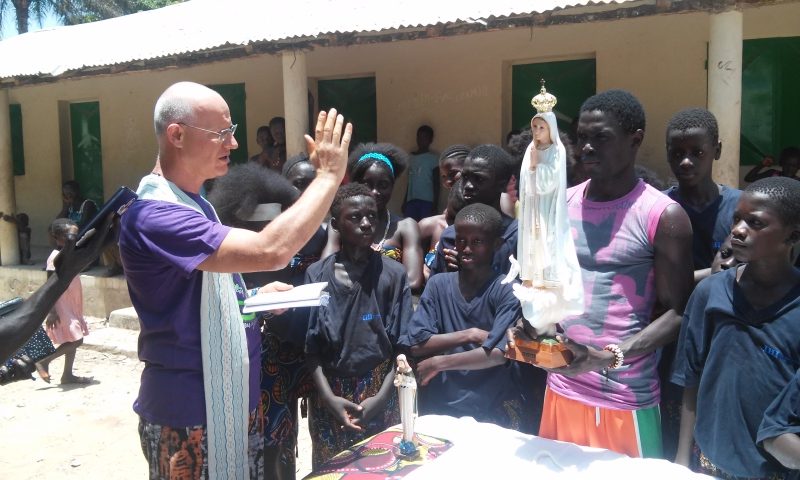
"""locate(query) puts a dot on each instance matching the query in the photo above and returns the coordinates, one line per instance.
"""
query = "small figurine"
(407, 395)
(547, 265)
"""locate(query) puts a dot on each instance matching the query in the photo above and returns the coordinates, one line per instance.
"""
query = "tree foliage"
(72, 12)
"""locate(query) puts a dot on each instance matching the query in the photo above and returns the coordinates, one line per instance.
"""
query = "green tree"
(72, 12)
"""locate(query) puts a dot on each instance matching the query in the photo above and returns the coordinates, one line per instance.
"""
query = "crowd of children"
(705, 372)
(732, 409)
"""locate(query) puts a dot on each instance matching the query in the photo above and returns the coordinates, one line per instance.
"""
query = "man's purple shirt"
(161, 245)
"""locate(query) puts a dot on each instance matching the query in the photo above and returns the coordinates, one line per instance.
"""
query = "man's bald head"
(178, 104)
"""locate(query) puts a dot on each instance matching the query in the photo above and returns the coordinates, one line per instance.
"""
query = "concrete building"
(81, 98)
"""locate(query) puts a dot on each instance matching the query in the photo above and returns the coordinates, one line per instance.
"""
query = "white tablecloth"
(484, 450)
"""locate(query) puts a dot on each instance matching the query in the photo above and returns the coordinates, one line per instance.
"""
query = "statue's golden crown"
(544, 101)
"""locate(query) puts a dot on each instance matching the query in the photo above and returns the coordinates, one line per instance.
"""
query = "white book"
(310, 295)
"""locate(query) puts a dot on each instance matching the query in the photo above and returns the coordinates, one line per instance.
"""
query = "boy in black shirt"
(352, 343)
(484, 177)
(739, 344)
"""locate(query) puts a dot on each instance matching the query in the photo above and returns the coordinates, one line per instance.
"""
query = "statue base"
(545, 353)
(407, 450)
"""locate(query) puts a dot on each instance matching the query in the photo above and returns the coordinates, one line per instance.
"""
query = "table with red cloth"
(378, 458)
(461, 448)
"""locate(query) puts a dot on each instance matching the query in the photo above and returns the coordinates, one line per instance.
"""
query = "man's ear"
(175, 135)
(794, 237)
(637, 138)
(334, 224)
(718, 151)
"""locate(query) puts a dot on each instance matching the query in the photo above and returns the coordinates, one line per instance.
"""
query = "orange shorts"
(636, 433)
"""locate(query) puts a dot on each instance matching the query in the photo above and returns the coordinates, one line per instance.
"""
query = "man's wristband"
(619, 357)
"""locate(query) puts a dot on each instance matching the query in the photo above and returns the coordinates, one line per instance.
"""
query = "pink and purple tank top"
(614, 243)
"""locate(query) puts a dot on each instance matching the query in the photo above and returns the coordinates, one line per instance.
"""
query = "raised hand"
(328, 149)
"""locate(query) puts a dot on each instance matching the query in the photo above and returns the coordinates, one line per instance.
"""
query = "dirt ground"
(81, 431)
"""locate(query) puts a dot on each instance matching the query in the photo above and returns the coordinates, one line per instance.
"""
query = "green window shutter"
(770, 68)
(17, 150)
(234, 95)
(356, 99)
(571, 81)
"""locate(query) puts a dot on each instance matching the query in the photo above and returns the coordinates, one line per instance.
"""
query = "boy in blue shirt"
(692, 147)
(459, 331)
(739, 344)
(692, 140)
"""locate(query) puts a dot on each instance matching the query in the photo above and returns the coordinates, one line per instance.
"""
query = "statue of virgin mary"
(547, 265)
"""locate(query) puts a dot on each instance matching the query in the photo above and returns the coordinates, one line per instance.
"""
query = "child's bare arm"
(344, 410)
(412, 254)
(686, 435)
(8, 218)
(372, 405)
(444, 342)
(786, 449)
(477, 359)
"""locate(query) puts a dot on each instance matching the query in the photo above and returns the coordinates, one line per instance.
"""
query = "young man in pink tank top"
(634, 248)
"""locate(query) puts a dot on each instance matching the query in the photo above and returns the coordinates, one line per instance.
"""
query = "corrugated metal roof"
(199, 25)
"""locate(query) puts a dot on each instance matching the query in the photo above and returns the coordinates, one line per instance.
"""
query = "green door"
(770, 97)
(571, 81)
(17, 151)
(87, 158)
(234, 95)
(355, 98)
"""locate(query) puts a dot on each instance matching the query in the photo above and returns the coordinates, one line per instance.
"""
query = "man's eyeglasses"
(222, 135)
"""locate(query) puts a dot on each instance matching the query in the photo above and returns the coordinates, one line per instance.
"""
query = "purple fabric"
(161, 245)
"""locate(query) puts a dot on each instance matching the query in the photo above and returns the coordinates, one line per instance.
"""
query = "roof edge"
(564, 16)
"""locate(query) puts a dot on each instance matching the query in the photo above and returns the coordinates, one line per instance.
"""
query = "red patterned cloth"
(376, 458)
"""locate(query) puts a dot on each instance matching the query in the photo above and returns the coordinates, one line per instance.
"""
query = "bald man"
(198, 399)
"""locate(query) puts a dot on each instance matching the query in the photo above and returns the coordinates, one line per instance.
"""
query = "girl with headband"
(377, 165)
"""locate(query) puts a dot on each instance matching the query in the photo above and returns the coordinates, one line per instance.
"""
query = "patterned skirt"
(284, 380)
(327, 436)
